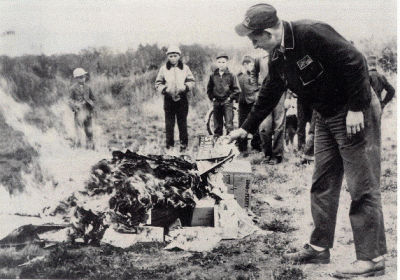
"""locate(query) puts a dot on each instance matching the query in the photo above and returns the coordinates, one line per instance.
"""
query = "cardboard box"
(203, 217)
(203, 214)
(237, 176)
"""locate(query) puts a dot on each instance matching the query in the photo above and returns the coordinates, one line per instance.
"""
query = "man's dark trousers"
(357, 157)
(223, 109)
(179, 110)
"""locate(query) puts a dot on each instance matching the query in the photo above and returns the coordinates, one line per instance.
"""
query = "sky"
(68, 26)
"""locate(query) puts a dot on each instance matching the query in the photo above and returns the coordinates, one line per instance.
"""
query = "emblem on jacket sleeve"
(304, 62)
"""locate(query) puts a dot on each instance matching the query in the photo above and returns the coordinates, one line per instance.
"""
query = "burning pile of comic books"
(121, 191)
(138, 183)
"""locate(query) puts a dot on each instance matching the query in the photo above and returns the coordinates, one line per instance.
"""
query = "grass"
(277, 225)
(11, 257)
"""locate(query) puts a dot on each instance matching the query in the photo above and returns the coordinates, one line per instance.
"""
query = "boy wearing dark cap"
(327, 72)
(247, 95)
(222, 89)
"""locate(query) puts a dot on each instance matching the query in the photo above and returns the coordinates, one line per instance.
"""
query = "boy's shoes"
(182, 148)
(90, 145)
(242, 149)
(275, 160)
(308, 255)
(307, 159)
(244, 154)
(266, 160)
(361, 269)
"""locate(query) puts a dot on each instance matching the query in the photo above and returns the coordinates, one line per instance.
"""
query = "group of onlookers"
(175, 80)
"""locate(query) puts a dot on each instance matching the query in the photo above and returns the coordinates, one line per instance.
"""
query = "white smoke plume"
(64, 168)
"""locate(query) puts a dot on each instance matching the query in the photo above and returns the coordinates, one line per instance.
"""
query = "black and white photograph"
(198, 139)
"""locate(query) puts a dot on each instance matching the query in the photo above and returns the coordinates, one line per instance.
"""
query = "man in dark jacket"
(380, 83)
(328, 73)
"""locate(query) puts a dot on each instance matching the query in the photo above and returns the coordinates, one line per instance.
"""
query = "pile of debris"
(131, 191)
(132, 184)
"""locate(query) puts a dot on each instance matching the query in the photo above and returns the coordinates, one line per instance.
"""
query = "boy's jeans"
(272, 130)
(223, 110)
(357, 157)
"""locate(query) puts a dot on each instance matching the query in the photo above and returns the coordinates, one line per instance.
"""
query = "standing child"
(81, 101)
(222, 89)
(174, 81)
(379, 83)
(247, 96)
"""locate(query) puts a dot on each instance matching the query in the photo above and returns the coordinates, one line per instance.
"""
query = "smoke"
(64, 168)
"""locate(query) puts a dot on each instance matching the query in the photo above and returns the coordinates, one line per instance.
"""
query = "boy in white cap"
(81, 102)
(174, 81)
(327, 72)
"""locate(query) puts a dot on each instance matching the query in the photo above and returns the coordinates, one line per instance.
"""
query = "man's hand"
(237, 134)
(354, 122)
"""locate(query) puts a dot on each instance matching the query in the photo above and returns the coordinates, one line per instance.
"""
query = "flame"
(64, 169)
